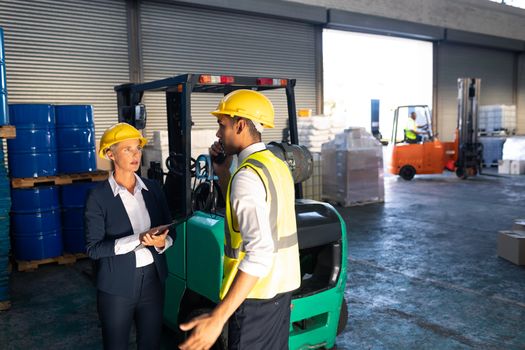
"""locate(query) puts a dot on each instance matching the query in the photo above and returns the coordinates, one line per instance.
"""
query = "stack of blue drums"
(35, 219)
(73, 198)
(75, 133)
(50, 140)
(5, 207)
(4, 114)
(33, 152)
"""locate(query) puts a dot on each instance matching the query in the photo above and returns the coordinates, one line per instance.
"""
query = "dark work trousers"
(117, 313)
(261, 324)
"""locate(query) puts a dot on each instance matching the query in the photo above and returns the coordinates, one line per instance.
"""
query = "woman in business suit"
(131, 267)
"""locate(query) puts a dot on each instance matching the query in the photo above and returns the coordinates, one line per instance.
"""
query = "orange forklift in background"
(431, 156)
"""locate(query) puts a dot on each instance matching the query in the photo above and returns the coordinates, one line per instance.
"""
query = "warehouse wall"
(180, 39)
(520, 96)
(66, 52)
(478, 16)
(496, 68)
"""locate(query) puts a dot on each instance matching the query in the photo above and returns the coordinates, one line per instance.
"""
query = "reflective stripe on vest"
(271, 170)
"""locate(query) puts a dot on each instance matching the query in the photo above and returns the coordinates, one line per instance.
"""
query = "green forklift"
(195, 262)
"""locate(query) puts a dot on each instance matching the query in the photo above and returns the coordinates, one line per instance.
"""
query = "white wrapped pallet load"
(513, 156)
(352, 168)
(514, 148)
(314, 131)
(201, 140)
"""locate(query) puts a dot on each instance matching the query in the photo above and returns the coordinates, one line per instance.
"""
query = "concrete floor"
(423, 274)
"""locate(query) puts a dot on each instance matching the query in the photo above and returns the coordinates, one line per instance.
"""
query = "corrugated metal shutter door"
(66, 52)
(178, 40)
(494, 67)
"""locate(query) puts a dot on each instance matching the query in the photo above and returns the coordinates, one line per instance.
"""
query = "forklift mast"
(178, 90)
(469, 148)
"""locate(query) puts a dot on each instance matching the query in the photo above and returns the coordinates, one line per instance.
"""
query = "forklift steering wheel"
(175, 164)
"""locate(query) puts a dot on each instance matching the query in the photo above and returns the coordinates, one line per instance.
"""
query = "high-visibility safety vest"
(410, 129)
(285, 274)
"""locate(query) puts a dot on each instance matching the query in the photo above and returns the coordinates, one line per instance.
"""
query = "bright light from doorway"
(361, 67)
(515, 3)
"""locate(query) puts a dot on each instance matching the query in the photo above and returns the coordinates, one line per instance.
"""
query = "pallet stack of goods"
(497, 120)
(52, 164)
(511, 243)
(492, 150)
(496, 123)
(313, 132)
(513, 162)
(352, 166)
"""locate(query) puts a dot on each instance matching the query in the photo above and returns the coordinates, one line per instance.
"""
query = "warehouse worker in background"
(131, 266)
(261, 265)
(411, 132)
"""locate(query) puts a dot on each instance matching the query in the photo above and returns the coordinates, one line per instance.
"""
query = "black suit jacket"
(105, 221)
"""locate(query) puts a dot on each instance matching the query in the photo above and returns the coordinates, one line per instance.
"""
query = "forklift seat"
(317, 224)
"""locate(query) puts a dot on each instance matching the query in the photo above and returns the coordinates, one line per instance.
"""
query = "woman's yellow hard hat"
(118, 133)
(247, 104)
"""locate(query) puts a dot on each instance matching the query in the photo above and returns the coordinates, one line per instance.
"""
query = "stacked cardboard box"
(352, 166)
(511, 244)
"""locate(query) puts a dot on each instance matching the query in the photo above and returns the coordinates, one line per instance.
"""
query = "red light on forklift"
(270, 81)
(264, 81)
(225, 79)
(216, 79)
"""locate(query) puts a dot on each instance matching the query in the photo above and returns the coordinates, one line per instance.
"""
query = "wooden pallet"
(65, 179)
(7, 132)
(496, 133)
(66, 259)
(5, 305)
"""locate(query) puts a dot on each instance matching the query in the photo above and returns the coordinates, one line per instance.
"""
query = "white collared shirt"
(140, 221)
(248, 201)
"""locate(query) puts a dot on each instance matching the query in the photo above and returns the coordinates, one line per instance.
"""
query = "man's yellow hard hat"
(118, 133)
(247, 104)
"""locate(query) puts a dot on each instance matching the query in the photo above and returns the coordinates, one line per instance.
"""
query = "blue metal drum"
(75, 139)
(35, 223)
(4, 111)
(73, 198)
(33, 152)
(5, 242)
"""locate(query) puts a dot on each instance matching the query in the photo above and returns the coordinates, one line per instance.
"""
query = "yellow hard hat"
(247, 104)
(118, 133)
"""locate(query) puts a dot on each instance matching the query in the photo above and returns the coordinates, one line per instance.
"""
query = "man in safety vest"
(411, 132)
(261, 264)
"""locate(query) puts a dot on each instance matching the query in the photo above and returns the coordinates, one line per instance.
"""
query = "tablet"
(157, 231)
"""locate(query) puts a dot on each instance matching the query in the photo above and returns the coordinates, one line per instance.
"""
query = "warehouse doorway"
(360, 68)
